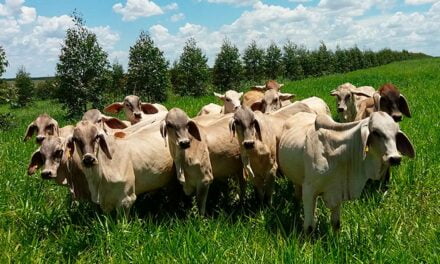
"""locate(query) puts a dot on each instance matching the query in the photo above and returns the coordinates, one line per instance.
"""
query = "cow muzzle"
(137, 115)
(89, 160)
(40, 139)
(184, 143)
(397, 117)
(248, 144)
(47, 175)
(394, 160)
(341, 109)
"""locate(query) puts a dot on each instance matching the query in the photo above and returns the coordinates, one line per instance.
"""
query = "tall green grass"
(39, 223)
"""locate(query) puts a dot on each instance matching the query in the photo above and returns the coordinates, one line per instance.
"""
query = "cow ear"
(36, 162)
(365, 133)
(232, 127)
(31, 129)
(114, 122)
(240, 95)
(149, 109)
(403, 106)
(334, 93)
(286, 96)
(194, 130)
(219, 96)
(376, 99)
(114, 108)
(70, 146)
(404, 145)
(163, 131)
(281, 85)
(257, 106)
(103, 145)
(359, 93)
(258, 129)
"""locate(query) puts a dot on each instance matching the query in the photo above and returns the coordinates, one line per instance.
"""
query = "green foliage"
(227, 68)
(273, 62)
(82, 70)
(8, 93)
(45, 89)
(293, 60)
(147, 70)
(24, 86)
(253, 60)
(323, 60)
(3, 61)
(191, 72)
(39, 222)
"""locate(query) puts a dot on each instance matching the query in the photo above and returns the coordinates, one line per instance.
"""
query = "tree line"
(85, 78)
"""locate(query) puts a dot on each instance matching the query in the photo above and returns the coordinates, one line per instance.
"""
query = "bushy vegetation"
(147, 70)
(24, 86)
(39, 223)
(227, 71)
(82, 70)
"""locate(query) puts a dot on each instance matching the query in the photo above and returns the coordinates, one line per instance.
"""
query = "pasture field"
(398, 224)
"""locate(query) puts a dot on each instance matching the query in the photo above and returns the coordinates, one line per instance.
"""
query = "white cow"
(231, 102)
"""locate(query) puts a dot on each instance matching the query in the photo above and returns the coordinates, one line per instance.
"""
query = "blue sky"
(32, 31)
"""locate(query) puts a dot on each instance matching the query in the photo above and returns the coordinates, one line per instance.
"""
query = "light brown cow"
(334, 160)
(54, 158)
(257, 141)
(348, 99)
(107, 123)
(135, 110)
(224, 152)
(317, 105)
(257, 92)
(388, 99)
(44, 126)
(188, 147)
(231, 102)
(118, 167)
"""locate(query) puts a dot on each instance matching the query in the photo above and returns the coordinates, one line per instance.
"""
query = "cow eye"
(169, 125)
(275, 100)
(377, 134)
(228, 100)
(58, 153)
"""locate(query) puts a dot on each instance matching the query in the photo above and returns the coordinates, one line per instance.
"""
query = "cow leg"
(202, 194)
(298, 192)
(259, 189)
(242, 185)
(269, 184)
(336, 217)
(309, 204)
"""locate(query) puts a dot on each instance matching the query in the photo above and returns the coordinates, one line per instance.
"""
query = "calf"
(231, 102)
(334, 160)
(348, 99)
(257, 143)
(119, 167)
(188, 147)
(135, 110)
(388, 99)
(257, 92)
(43, 126)
(54, 158)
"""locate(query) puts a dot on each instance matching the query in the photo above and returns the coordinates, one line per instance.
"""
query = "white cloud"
(134, 9)
(419, 2)
(233, 2)
(177, 17)
(299, 1)
(28, 15)
(172, 6)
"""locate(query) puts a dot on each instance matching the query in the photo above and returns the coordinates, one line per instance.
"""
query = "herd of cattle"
(256, 137)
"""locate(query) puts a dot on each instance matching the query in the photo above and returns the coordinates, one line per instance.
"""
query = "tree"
(191, 72)
(292, 61)
(253, 60)
(3, 61)
(273, 63)
(117, 80)
(227, 67)
(45, 89)
(24, 86)
(147, 70)
(324, 60)
(82, 70)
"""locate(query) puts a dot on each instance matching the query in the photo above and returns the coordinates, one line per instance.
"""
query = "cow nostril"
(137, 115)
(46, 174)
(184, 144)
(249, 144)
(40, 139)
(340, 109)
(88, 160)
(397, 118)
(394, 161)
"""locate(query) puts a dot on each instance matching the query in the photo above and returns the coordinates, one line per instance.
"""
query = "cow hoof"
(336, 226)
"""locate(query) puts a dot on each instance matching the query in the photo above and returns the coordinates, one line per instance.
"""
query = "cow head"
(96, 117)
(383, 138)
(272, 101)
(88, 139)
(180, 130)
(269, 85)
(133, 108)
(49, 157)
(43, 126)
(247, 127)
(231, 100)
(389, 99)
